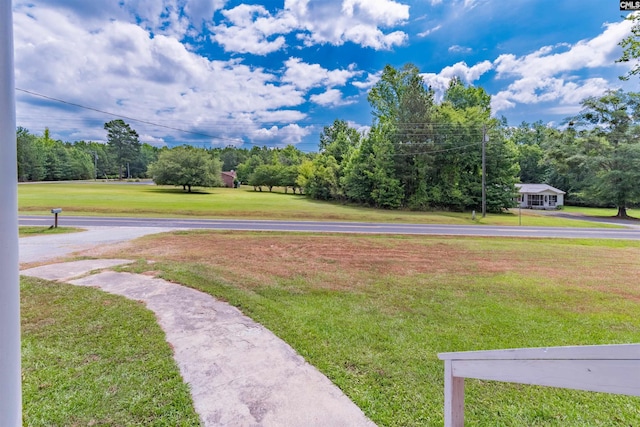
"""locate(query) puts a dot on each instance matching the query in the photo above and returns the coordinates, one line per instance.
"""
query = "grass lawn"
(37, 231)
(161, 201)
(372, 312)
(600, 212)
(90, 358)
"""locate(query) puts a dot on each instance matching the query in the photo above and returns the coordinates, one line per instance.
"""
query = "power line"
(226, 124)
(132, 118)
(461, 147)
(403, 126)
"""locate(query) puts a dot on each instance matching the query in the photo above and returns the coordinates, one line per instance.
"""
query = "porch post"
(10, 378)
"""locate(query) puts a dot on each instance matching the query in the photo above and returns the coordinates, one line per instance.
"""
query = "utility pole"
(485, 138)
(95, 165)
(10, 375)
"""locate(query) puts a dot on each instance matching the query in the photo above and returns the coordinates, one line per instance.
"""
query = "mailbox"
(55, 212)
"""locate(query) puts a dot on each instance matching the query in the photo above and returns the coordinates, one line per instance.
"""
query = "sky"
(213, 73)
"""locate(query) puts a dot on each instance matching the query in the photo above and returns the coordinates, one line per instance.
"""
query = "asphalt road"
(337, 227)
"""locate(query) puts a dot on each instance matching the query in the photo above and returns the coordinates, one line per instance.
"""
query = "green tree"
(289, 156)
(31, 156)
(631, 46)
(80, 163)
(461, 97)
(266, 175)
(611, 146)
(530, 140)
(186, 166)
(123, 142)
(454, 180)
(369, 175)
(305, 174)
(404, 106)
(502, 170)
(322, 182)
(289, 177)
(232, 157)
(339, 140)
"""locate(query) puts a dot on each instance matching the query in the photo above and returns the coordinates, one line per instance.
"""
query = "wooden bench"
(604, 368)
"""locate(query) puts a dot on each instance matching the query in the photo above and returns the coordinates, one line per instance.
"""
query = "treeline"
(41, 158)
(595, 158)
(419, 154)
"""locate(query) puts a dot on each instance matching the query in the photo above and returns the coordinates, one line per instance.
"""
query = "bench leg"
(453, 397)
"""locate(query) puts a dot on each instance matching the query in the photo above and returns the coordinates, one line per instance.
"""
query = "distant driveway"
(52, 246)
(339, 227)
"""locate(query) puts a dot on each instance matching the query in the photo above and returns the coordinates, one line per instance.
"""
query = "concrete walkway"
(240, 373)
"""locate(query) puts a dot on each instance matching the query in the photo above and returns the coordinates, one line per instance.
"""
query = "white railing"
(604, 368)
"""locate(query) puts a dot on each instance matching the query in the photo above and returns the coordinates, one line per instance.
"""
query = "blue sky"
(217, 72)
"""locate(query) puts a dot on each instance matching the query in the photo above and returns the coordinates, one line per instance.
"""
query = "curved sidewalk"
(240, 373)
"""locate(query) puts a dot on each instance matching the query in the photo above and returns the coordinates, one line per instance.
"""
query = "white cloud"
(597, 52)
(371, 80)
(440, 82)
(305, 76)
(429, 31)
(384, 12)
(567, 95)
(460, 49)
(330, 98)
(362, 129)
(200, 11)
(122, 69)
(252, 29)
(466, 73)
(437, 82)
(288, 135)
(470, 4)
(550, 73)
(356, 21)
(152, 140)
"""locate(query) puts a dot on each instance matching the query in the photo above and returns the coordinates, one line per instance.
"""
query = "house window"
(553, 200)
(535, 200)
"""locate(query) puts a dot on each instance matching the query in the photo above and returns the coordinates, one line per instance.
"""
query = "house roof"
(229, 173)
(537, 188)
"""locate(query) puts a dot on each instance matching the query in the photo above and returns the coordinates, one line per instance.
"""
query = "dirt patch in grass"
(349, 261)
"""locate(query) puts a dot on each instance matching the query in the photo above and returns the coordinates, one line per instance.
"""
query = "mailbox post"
(55, 212)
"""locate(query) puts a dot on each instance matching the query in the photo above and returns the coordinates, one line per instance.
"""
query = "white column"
(10, 378)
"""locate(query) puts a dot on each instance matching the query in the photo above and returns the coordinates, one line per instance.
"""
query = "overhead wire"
(408, 126)
(235, 140)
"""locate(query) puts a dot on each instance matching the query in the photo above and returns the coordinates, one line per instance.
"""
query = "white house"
(539, 196)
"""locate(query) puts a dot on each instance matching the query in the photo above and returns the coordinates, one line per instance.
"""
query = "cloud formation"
(164, 80)
(253, 29)
(549, 73)
(266, 73)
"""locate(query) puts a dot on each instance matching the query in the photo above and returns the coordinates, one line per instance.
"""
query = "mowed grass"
(372, 312)
(94, 359)
(600, 212)
(38, 231)
(163, 201)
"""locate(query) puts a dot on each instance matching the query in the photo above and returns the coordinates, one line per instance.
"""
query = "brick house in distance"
(229, 178)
